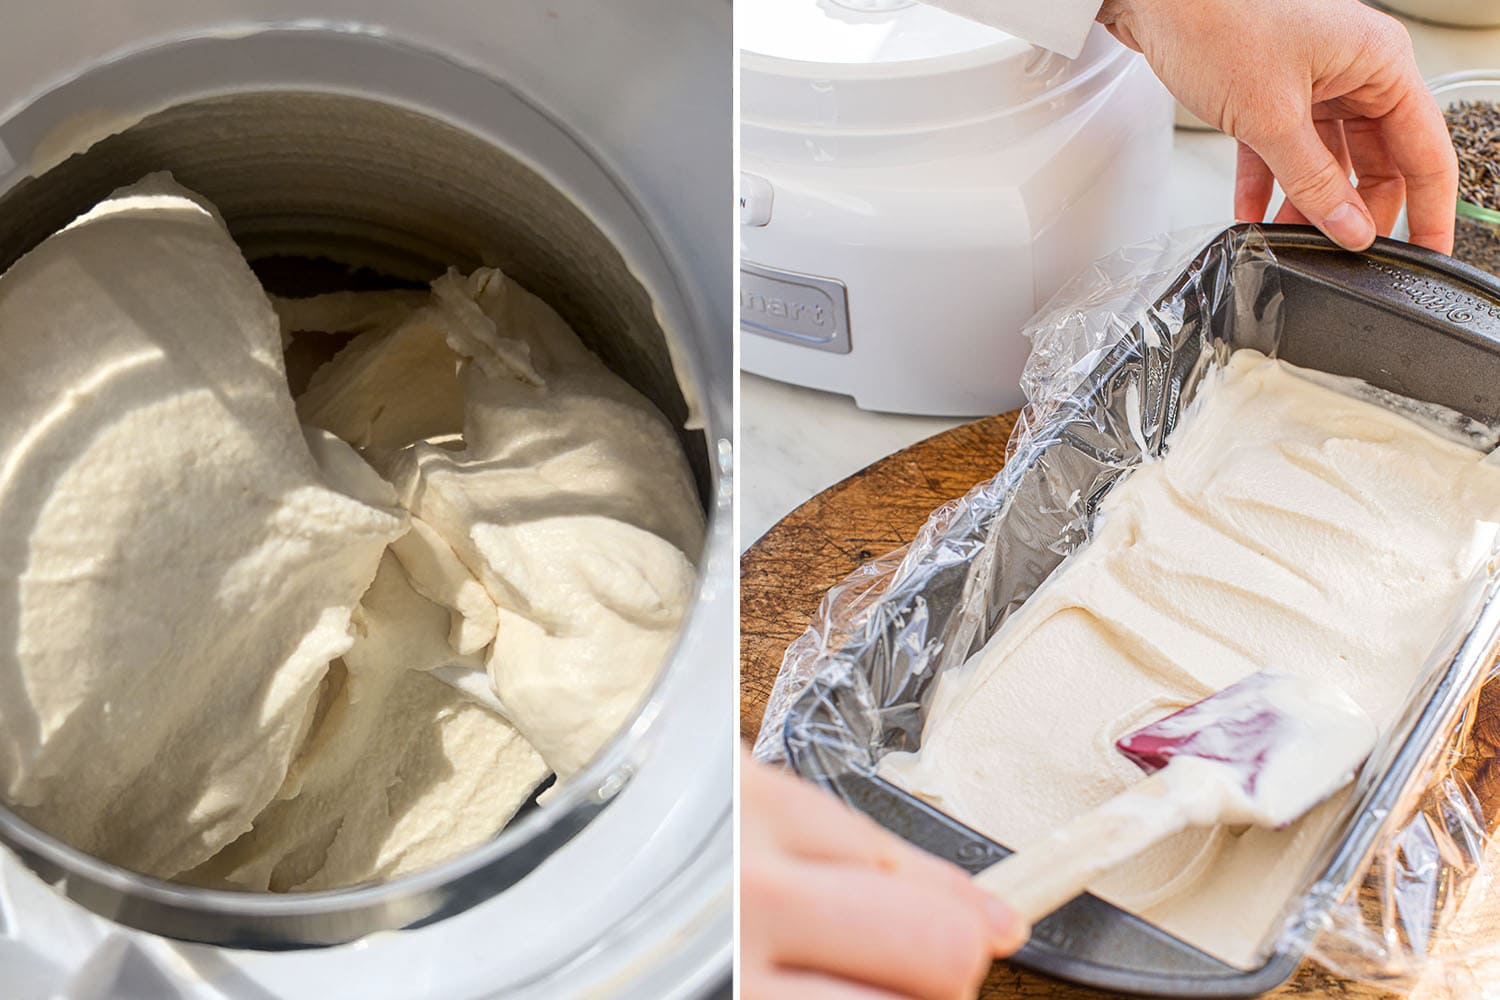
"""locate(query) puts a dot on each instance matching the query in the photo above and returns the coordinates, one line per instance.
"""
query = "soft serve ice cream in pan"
(1289, 526)
(1180, 511)
(265, 642)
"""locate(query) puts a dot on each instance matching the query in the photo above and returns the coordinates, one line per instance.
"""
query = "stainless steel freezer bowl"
(1401, 318)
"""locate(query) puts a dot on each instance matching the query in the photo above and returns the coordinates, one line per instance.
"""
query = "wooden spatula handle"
(1044, 876)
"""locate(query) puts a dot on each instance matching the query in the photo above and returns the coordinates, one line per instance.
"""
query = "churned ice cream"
(265, 642)
(1290, 527)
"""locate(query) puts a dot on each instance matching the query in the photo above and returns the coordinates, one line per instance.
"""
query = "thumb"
(1315, 182)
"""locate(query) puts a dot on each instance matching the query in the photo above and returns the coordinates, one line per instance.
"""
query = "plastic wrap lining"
(1117, 356)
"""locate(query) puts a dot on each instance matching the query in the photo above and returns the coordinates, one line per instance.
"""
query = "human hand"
(1313, 90)
(832, 907)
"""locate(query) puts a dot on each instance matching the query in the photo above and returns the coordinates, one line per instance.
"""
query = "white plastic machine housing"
(915, 185)
(639, 903)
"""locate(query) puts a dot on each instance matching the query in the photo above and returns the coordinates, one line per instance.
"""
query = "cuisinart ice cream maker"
(914, 185)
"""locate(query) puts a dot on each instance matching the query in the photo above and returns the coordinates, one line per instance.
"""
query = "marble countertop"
(795, 442)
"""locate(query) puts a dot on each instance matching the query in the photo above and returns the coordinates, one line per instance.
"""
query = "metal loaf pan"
(1404, 319)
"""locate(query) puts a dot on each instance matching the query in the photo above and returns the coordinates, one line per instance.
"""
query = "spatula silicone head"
(1262, 751)
(1286, 743)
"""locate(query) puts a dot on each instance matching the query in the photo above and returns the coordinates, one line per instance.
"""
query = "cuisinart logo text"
(778, 310)
(802, 308)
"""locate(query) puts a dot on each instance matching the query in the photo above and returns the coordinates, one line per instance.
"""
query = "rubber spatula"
(1261, 752)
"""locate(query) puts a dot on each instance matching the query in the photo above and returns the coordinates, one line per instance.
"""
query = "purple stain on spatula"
(1289, 742)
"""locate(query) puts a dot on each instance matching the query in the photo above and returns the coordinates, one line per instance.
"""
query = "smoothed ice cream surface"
(224, 605)
(1289, 527)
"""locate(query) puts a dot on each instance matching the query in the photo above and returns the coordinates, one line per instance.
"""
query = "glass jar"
(1476, 228)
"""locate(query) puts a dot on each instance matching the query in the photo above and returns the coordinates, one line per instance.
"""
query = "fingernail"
(1350, 227)
(1007, 932)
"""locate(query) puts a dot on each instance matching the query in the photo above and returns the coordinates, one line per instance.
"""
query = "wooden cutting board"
(785, 574)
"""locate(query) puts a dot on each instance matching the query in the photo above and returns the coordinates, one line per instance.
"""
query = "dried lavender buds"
(1475, 128)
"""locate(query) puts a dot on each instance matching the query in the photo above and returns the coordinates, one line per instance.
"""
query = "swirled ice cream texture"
(222, 618)
(1289, 527)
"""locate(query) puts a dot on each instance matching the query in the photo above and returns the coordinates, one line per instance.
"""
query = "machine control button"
(799, 308)
(755, 200)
